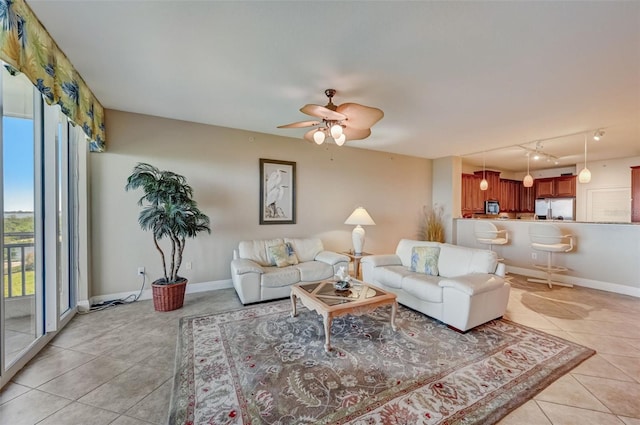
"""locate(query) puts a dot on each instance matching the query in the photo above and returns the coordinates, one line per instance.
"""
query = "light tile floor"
(115, 366)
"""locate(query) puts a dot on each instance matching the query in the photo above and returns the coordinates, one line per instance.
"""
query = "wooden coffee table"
(323, 298)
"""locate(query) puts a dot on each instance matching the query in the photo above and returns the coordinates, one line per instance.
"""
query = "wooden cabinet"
(565, 186)
(472, 197)
(635, 194)
(544, 187)
(509, 195)
(493, 192)
(556, 187)
(527, 199)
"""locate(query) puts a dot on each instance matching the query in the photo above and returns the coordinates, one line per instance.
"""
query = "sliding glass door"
(21, 294)
(38, 195)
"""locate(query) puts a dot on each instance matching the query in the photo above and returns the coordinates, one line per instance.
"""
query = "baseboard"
(579, 281)
(84, 305)
(146, 294)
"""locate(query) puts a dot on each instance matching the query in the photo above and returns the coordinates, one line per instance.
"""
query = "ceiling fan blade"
(322, 112)
(360, 116)
(309, 135)
(355, 133)
(300, 124)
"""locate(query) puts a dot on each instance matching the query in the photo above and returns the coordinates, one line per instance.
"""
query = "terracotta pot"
(168, 297)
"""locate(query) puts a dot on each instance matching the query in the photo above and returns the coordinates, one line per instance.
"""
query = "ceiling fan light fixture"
(318, 137)
(349, 120)
(336, 131)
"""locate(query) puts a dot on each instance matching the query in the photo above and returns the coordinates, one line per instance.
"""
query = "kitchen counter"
(606, 255)
(528, 220)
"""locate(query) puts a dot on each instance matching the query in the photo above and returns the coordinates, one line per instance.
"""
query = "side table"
(356, 261)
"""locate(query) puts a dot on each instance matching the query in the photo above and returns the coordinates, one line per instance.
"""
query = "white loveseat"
(256, 277)
(468, 290)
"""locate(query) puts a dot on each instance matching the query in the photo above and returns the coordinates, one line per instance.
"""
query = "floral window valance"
(27, 47)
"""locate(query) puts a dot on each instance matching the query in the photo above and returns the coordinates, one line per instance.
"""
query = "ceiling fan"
(347, 121)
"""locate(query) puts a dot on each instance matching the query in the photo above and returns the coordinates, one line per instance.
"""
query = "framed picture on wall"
(277, 192)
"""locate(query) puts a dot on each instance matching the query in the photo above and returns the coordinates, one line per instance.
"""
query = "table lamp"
(360, 217)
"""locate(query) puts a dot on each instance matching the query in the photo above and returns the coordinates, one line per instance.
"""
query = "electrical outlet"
(188, 265)
(140, 271)
(534, 255)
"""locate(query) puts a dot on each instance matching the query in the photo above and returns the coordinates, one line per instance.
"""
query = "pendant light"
(484, 184)
(528, 180)
(585, 174)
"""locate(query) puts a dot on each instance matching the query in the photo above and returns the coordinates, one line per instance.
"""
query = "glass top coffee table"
(329, 302)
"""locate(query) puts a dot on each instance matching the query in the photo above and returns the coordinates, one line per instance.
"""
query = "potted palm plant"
(168, 211)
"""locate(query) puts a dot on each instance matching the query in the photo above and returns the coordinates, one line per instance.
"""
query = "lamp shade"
(484, 184)
(360, 216)
(318, 137)
(584, 176)
(527, 181)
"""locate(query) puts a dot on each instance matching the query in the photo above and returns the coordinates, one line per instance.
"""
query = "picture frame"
(277, 192)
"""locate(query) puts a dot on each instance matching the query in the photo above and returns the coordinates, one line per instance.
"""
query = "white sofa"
(469, 289)
(256, 277)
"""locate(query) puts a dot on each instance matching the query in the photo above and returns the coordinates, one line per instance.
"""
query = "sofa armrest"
(331, 258)
(242, 266)
(382, 260)
(474, 283)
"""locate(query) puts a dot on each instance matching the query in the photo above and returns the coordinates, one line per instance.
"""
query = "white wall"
(447, 190)
(609, 175)
(222, 165)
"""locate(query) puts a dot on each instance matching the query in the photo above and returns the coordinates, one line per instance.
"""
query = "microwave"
(491, 207)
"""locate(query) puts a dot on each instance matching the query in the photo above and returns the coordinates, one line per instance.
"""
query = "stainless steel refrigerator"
(556, 208)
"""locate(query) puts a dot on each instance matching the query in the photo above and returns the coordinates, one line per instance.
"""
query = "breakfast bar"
(595, 261)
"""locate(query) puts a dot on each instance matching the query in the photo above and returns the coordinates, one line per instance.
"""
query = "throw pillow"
(293, 258)
(424, 259)
(279, 255)
(283, 255)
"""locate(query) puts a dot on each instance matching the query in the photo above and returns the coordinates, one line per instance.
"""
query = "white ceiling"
(453, 78)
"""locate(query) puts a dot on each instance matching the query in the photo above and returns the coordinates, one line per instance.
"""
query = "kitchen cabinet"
(556, 187)
(493, 191)
(635, 194)
(527, 199)
(472, 197)
(509, 195)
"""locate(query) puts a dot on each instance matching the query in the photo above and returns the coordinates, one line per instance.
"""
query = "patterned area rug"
(258, 365)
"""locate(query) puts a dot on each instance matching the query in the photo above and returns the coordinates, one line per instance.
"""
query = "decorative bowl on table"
(341, 285)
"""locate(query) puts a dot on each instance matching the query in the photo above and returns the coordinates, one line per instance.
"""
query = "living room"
(220, 158)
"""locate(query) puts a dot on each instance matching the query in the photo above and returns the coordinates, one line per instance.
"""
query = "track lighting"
(598, 135)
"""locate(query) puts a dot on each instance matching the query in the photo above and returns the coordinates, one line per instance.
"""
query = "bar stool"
(487, 233)
(548, 238)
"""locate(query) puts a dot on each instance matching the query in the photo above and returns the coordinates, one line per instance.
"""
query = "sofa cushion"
(391, 276)
(405, 247)
(424, 259)
(458, 261)
(274, 277)
(312, 271)
(423, 286)
(306, 249)
(474, 283)
(258, 250)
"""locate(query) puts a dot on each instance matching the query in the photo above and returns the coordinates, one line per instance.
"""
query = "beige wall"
(222, 166)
